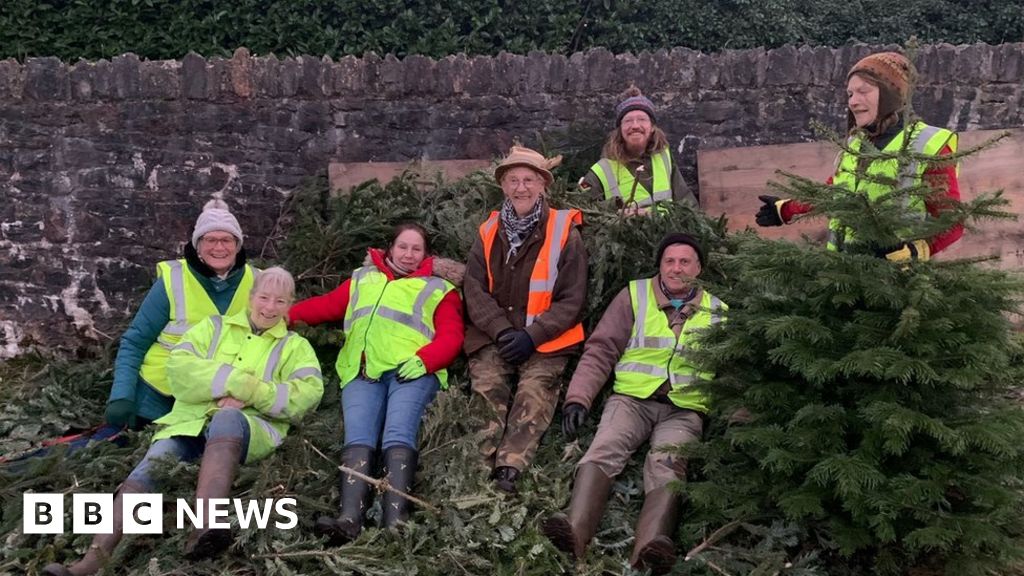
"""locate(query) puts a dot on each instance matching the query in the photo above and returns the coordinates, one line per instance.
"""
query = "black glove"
(905, 252)
(515, 347)
(573, 416)
(121, 413)
(769, 214)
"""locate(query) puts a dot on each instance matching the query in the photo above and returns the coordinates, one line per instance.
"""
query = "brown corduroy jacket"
(491, 313)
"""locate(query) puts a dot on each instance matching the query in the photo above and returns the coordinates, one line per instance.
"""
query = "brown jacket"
(490, 314)
(608, 342)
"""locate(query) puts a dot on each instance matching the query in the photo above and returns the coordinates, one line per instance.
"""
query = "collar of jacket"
(241, 318)
(376, 257)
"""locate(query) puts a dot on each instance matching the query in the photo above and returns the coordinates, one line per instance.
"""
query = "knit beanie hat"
(216, 217)
(633, 99)
(679, 238)
(889, 69)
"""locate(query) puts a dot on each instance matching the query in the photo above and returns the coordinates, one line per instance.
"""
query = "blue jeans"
(226, 423)
(386, 412)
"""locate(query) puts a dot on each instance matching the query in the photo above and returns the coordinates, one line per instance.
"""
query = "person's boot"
(103, 545)
(355, 497)
(653, 548)
(505, 479)
(400, 464)
(571, 532)
(216, 474)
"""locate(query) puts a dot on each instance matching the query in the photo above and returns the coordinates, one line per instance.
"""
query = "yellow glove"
(910, 251)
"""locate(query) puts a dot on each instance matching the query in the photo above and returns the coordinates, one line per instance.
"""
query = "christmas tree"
(877, 435)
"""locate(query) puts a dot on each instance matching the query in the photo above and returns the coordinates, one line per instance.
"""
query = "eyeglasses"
(228, 241)
(529, 182)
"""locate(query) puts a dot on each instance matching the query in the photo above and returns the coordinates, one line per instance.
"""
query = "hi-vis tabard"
(618, 181)
(924, 140)
(545, 270)
(655, 354)
(387, 321)
(189, 304)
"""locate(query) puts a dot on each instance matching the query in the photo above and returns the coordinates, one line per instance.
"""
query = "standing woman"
(211, 279)
(526, 286)
(403, 327)
(877, 89)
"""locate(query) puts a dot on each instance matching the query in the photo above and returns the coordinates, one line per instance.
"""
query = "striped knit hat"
(633, 100)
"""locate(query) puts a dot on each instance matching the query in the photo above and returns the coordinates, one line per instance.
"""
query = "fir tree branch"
(714, 537)
(380, 484)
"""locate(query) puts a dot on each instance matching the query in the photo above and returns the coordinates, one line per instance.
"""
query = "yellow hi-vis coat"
(275, 373)
(923, 139)
(655, 354)
(617, 181)
(189, 304)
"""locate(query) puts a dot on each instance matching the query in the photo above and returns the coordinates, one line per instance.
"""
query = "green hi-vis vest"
(387, 321)
(618, 181)
(189, 304)
(655, 354)
(924, 140)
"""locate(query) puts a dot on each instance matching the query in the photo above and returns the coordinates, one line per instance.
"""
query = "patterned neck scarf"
(516, 228)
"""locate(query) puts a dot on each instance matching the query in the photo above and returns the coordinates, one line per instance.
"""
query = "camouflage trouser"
(514, 424)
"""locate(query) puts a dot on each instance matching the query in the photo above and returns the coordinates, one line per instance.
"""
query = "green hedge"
(159, 29)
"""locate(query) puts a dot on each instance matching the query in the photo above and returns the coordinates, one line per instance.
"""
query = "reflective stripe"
(177, 327)
(275, 436)
(491, 222)
(642, 368)
(433, 285)
(305, 373)
(219, 386)
(666, 163)
(555, 247)
(165, 343)
(178, 289)
(280, 400)
(406, 320)
(356, 277)
(653, 342)
(275, 358)
(683, 379)
(356, 314)
(609, 177)
(218, 325)
(642, 287)
(716, 310)
(918, 144)
(186, 346)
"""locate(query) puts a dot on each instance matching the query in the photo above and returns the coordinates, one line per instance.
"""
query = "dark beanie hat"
(679, 238)
(633, 99)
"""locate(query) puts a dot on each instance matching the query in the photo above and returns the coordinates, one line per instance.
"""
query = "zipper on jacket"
(369, 322)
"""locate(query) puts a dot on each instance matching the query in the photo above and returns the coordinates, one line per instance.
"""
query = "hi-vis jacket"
(923, 139)
(618, 182)
(276, 373)
(189, 304)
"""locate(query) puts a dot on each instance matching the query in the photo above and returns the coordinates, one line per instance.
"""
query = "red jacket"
(939, 178)
(448, 328)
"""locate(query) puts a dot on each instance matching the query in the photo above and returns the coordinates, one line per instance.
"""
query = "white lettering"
(281, 508)
(195, 517)
(246, 514)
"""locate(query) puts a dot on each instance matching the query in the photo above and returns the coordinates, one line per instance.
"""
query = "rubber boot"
(654, 549)
(355, 497)
(571, 532)
(216, 474)
(103, 545)
(400, 463)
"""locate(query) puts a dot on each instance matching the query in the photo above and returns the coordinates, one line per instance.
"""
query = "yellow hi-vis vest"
(189, 304)
(655, 354)
(617, 180)
(387, 321)
(924, 140)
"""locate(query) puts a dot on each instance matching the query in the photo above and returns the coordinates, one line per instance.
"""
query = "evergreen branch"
(381, 484)
(714, 537)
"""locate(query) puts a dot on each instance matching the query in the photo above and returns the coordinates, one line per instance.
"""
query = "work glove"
(411, 369)
(770, 213)
(917, 250)
(122, 413)
(573, 417)
(515, 347)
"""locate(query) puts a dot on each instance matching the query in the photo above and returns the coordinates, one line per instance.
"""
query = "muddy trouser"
(627, 422)
(517, 414)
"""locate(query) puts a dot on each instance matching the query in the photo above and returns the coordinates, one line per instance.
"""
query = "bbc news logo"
(143, 513)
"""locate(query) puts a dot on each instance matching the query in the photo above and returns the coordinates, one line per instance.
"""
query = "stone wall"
(104, 165)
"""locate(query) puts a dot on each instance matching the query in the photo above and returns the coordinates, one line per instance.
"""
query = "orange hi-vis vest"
(545, 270)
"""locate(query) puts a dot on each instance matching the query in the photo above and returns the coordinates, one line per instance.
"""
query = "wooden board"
(342, 176)
(731, 180)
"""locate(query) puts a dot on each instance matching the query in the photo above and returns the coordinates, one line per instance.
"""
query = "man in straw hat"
(637, 169)
(525, 291)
